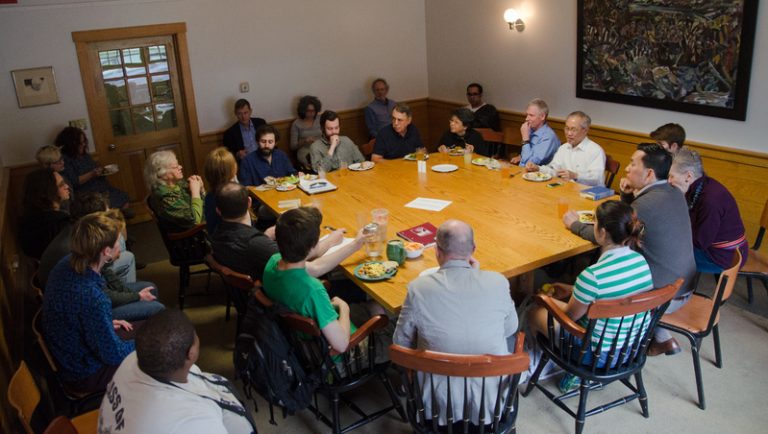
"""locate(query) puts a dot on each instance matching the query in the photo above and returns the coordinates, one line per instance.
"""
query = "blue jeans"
(704, 264)
(138, 310)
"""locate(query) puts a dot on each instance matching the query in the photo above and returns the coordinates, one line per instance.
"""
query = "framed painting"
(35, 86)
(690, 56)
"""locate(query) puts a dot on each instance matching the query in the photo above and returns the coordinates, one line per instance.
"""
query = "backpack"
(265, 362)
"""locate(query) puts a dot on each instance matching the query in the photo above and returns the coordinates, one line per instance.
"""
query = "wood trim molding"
(129, 32)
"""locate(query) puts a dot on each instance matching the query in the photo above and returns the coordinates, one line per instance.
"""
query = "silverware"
(516, 173)
(330, 228)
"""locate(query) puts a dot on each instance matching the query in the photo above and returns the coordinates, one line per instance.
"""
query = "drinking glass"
(467, 157)
(343, 167)
(563, 204)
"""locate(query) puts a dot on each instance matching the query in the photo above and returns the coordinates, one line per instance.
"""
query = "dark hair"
(620, 223)
(267, 129)
(242, 102)
(379, 80)
(477, 85)
(232, 200)
(69, 141)
(328, 115)
(88, 202)
(403, 108)
(297, 231)
(40, 191)
(670, 133)
(464, 115)
(656, 158)
(163, 342)
(305, 102)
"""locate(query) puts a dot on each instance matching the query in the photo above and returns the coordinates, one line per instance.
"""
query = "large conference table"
(516, 223)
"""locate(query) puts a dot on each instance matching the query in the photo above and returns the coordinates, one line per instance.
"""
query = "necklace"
(697, 193)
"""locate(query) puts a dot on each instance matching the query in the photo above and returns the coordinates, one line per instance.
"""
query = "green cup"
(396, 251)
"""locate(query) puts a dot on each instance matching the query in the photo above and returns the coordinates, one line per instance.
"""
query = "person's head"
(474, 94)
(162, 167)
(232, 201)
(330, 124)
(455, 240)
(267, 137)
(461, 119)
(44, 190)
(670, 136)
(297, 233)
(380, 89)
(616, 223)
(50, 157)
(401, 118)
(309, 107)
(88, 202)
(94, 240)
(648, 164)
(72, 141)
(536, 113)
(576, 127)
(243, 111)
(166, 343)
(686, 168)
(220, 167)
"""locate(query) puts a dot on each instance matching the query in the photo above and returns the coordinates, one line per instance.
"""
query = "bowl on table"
(413, 250)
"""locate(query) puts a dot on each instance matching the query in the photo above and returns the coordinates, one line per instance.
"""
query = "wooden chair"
(87, 423)
(463, 372)
(700, 317)
(367, 148)
(34, 283)
(756, 265)
(611, 169)
(351, 372)
(185, 249)
(239, 288)
(494, 140)
(570, 347)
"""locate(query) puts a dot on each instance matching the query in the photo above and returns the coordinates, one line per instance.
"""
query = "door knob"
(112, 146)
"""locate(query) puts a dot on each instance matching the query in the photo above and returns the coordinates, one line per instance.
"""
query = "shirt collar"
(642, 190)
(455, 263)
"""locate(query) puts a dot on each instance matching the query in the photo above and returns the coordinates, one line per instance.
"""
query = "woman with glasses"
(177, 202)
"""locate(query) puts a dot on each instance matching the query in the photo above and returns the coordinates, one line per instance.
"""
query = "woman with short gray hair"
(177, 202)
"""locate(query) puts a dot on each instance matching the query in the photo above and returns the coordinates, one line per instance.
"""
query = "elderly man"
(332, 149)
(580, 159)
(399, 139)
(667, 245)
(486, 115)
(539, 140)
(670, 136)
(378, 111)
(458, 309)
(158, 388)
(240, 138)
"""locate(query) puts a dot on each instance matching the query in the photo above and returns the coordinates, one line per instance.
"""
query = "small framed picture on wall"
(35, 86)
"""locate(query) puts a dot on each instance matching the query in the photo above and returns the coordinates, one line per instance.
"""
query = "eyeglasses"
(473, 94)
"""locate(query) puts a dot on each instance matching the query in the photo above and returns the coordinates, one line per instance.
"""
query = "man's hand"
(442, 149)
(270, 232)
(117, 323)
(339, 304)
(241, 154)
(474, 263)
(470, 148)
(567, 175)
(336, 237)
(569, 218)
(146, 294)
(625, 186)
(516, 159)
(334, 141)
(525, 131)
(530, 167)
(563, 291)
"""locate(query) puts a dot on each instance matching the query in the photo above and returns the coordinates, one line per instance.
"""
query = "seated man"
(715, 219)
(159, 389)
(332, 149)
(378, 112)
(458, 309)
(486, 115)
(240, 138)
(667, 245)
(539, 140)
(669, 136)
(266, 161)
(580, 159)
(399, 139)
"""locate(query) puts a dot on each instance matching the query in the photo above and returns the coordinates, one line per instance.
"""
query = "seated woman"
(306, 129)
(49, 157)
(618, 232)
(77, 318)
(715, 220)
(177, 203)
(220, 168)
(266, 161)
(461, 135)
(83, 173)
(42, 218)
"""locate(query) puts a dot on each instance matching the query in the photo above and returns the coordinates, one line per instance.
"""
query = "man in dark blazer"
(240, 138)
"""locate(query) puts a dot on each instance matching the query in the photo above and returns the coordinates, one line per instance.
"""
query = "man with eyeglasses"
(378, 111)
(486, 115)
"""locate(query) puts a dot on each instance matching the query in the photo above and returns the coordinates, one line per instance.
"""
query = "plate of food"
(109, 169)
(413, 250)
(309, 177)
(290, 179)
(456, 152)
(587, 217)
(359, 167)
(480, 161)
(445, 168)
(412, 156)
(285, 187)
(375, 270)
(537, 176)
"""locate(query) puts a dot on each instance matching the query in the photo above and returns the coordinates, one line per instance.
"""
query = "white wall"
(466, 44)
(284, 48)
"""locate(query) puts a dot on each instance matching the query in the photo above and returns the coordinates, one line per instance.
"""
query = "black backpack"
(265, 362)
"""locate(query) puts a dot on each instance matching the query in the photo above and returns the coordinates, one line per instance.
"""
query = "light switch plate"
(245, 87)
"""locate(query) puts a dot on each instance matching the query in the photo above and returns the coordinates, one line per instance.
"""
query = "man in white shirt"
(580, 159)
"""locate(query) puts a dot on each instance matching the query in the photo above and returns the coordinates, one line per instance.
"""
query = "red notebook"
(424, 233)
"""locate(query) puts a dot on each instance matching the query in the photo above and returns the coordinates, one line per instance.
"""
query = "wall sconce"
(513, 18)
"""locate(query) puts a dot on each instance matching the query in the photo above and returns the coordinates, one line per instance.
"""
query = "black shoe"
(141, 265)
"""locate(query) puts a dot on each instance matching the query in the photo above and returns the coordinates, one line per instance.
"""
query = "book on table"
(596, 193)
(424, 233)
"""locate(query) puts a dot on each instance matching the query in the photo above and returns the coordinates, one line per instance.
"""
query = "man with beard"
(266, 161)
(328, 152)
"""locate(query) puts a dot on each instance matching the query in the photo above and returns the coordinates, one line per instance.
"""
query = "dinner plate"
(359, 167)
(480, 161)
(429, 271)
(456, 152)
(384, 276)
(110, 169)
(285, 187)
(291, 179)
(537, 176)
(586, 216)
(412, 157)
(445, 168)
(309, 177)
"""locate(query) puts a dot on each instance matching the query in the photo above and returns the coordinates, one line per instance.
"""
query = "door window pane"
(134, 62)
(138, 90)
(116, 93)
(161, 87)
(158, 59)
(143, 119)
(121, 122)
(165, 116)
(111, 64)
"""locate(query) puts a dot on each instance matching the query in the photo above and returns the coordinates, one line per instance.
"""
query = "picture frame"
(35, 86)
(692, 56)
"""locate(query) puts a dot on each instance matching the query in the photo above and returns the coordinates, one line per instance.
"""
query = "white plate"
(537, 176)
(110, 169)
(583, 216)
(359, 167)
(412, 156)
(445, 168)
(286, 187)
(480, 161)
(429, 271)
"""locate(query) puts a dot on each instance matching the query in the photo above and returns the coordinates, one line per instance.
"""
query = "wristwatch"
(525, 142)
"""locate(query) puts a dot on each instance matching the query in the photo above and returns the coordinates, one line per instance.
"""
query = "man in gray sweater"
(667, 242)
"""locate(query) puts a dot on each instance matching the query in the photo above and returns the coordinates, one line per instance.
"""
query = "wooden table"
(516, 222)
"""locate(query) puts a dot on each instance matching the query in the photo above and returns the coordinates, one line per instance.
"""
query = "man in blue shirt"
(399, 139)
(266, 161)
(240, 138)
(539, 140)
(377, 113)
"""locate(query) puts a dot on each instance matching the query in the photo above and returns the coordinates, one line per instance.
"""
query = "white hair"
(157, 166)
